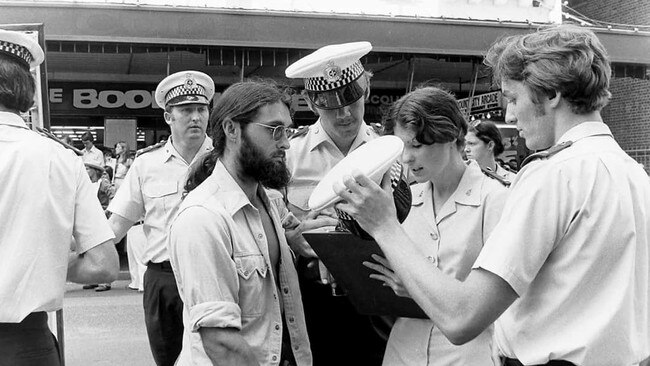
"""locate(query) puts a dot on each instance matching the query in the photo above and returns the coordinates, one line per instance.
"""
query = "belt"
(516, 362)
(165, 266)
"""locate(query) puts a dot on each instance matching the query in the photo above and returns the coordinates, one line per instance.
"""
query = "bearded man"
(232, 264)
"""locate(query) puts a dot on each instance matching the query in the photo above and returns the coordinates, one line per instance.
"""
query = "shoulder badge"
(547, 153)
(495, 176)
(150, 148)
(45, 133)
(295, 132)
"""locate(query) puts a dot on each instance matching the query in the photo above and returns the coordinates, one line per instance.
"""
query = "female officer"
(454, 208)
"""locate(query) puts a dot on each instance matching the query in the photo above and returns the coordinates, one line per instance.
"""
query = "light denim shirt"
(220, 257)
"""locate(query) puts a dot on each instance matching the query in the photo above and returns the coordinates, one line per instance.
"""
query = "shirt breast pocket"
(162, 194)
(252, 272)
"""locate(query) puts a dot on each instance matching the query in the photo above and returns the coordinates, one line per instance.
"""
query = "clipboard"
(343, 254)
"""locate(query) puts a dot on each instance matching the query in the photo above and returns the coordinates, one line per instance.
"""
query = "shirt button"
(286, 290)
(296, 348)
(434, 236)
(260, 236)
(277, 327)
(274, 358)
(291, 319)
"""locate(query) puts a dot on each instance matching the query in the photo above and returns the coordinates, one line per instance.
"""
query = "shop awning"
(201, 26)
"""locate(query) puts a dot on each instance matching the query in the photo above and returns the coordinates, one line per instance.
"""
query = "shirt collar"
(585, 129)
(12, 119)
(170, 150)
(231, 196)
(468, 191)
(319, 136)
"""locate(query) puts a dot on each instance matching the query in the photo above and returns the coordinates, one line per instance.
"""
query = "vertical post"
(60, 335)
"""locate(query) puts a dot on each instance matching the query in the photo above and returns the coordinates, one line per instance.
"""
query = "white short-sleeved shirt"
(153, 189)
(311, 156)
(93, 156)
(220, 257)
(452, 240)
(573, 244)
(505, 174)
(46, 200)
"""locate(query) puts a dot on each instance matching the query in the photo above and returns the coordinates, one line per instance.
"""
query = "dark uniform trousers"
(28, 343)
(337, 333)
(163, 313)
(514, 362)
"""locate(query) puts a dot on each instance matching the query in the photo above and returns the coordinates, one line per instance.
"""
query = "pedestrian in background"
(91, 154)
(483, 143)
(122, 163)
(152, 191)
(46, 201)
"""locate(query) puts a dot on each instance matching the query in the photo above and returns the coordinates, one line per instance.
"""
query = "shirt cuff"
(216, 314)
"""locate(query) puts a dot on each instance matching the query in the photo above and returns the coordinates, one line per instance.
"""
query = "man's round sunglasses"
(279, 131)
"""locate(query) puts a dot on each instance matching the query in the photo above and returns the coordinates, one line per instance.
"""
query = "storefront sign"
(106, 99)
(481, 103)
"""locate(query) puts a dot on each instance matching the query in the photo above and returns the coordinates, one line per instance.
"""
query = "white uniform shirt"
(573, 244)
(311, 156)
(451, 241)
(94, 156)
(505, 174)
(46, 199)
(220, 257)
(153, 189)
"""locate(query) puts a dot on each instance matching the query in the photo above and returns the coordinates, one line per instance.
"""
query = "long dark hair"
(240, 103)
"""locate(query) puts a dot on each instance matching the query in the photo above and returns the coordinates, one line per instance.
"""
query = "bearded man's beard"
(269, 172)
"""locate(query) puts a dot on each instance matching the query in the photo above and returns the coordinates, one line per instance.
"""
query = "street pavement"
(105, 328)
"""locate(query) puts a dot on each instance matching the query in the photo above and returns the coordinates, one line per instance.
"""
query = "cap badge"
(189, 81)
(332, 73)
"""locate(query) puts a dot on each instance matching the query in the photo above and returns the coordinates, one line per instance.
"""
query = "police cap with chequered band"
(21, 47)
(333, 74)
(185, 87)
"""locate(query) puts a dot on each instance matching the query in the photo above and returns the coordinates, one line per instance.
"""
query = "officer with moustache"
(153, 189)
(336, 88)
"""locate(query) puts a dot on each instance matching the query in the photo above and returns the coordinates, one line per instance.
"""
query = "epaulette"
(295, 132)
(508, 168)
(377, 128)
(495, 176)
(45, 133)
(547, 153)
(150, 148)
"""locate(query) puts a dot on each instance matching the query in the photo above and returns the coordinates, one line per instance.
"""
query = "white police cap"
(332, 74)
(185, 87)
(21, 47)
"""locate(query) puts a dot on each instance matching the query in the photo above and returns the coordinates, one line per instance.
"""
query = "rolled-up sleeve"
(200, 246)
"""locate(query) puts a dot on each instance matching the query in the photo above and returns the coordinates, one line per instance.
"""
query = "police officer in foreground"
(336, 88)
(153, 189)
(566, 268)
(46, 200)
